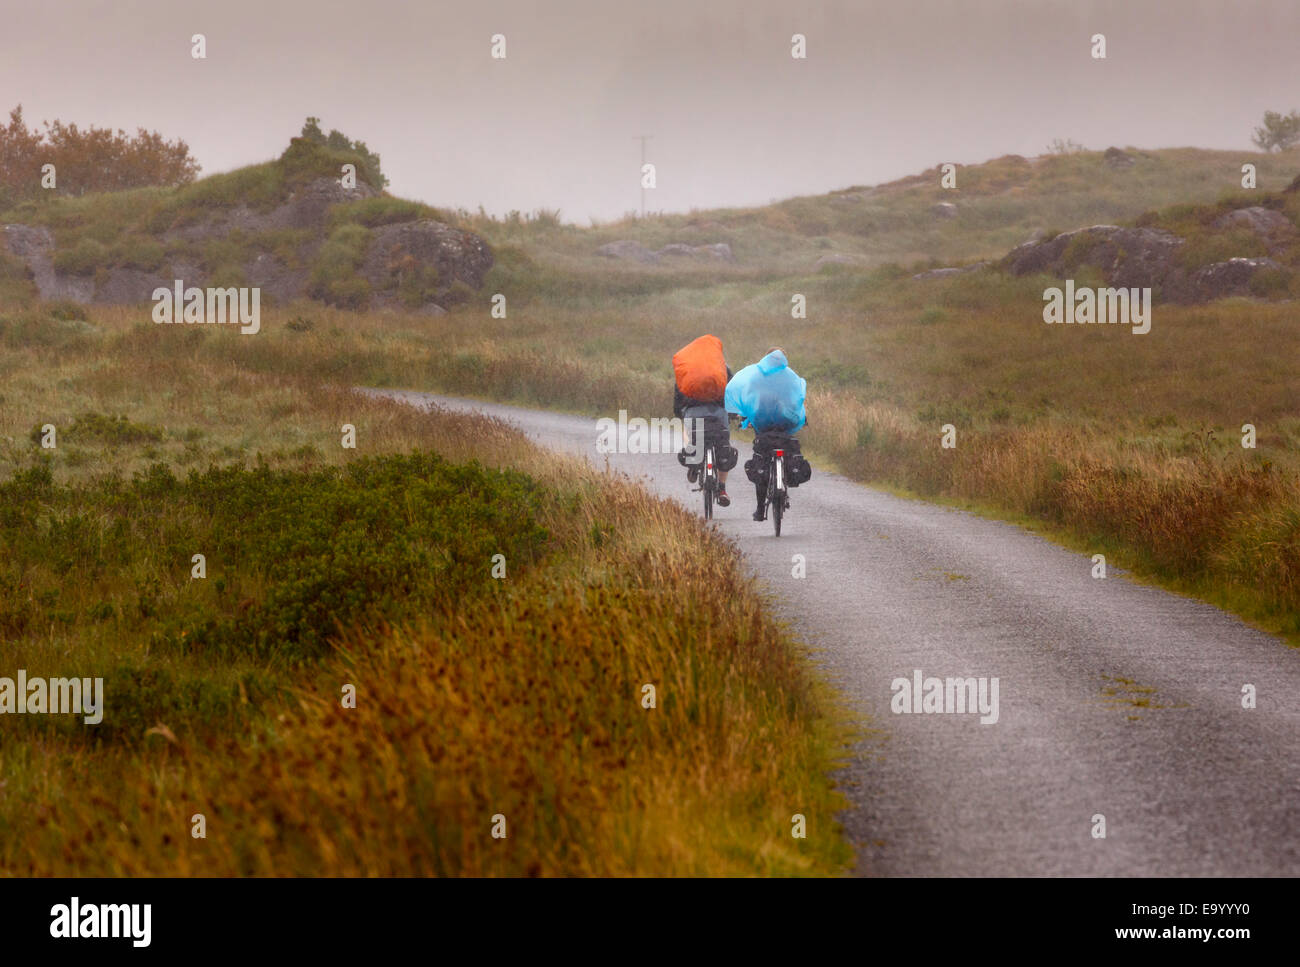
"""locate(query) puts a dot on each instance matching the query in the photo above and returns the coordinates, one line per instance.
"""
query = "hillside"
(289, 227)
(996, 206)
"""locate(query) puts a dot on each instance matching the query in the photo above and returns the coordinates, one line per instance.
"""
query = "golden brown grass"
(528, 707)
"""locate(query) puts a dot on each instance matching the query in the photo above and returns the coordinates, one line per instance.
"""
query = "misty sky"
(888, 89)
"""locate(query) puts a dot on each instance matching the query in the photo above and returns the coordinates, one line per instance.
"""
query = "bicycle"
(708, 481)
(778, 495)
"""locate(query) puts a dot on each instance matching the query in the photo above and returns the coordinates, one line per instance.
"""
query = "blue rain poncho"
(768, 395)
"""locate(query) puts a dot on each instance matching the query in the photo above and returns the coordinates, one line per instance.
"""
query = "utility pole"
(643, 138)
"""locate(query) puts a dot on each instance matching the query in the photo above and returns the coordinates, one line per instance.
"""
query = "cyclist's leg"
(693, 447)
(721, 435)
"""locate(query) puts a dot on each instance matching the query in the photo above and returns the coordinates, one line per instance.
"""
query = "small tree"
(1280, 132)
(341, 142)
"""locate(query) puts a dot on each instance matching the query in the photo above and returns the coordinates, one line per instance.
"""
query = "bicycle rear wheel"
(708, 498)
(776, 492)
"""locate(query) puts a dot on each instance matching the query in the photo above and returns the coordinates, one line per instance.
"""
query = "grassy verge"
(518, 697)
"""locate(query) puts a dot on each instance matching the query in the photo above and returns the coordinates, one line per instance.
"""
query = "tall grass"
(476, 696)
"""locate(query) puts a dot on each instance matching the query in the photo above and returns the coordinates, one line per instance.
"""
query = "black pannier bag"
(797, 469)
(713, 419)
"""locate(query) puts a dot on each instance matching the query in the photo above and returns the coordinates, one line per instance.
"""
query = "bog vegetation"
(519, 695)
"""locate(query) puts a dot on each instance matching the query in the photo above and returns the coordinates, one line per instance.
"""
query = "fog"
(886, 89)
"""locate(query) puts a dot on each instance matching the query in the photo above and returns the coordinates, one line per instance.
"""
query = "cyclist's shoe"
(760, 515)
(723, 499)
(692, 473)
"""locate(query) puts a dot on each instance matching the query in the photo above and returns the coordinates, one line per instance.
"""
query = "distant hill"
(291, 228)
(996, 206)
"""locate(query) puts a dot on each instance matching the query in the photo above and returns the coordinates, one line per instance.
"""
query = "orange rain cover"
(700, 369)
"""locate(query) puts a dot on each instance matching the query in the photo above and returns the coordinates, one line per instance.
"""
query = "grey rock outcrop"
(1267, 224)
(627, 249)
(457, 256)
(1136, 258)
(1232, 277)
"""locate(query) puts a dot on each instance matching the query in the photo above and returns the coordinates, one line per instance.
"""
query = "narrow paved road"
(1114, 699)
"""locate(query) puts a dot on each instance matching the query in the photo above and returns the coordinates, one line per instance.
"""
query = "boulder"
(678, 249)
(1262, 221)
(1128, 256)
(718, 250)
(458, 256)
(945, 209)
(1136, 258)
(1231, 277)
(627, 249)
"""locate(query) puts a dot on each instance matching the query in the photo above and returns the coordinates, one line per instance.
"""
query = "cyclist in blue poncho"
(769, 396)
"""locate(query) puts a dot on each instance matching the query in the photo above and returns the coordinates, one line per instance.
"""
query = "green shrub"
(81, 259)
(139, 252)
(98, 428)
(304, 161)
(334, 277)
(292, 556)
